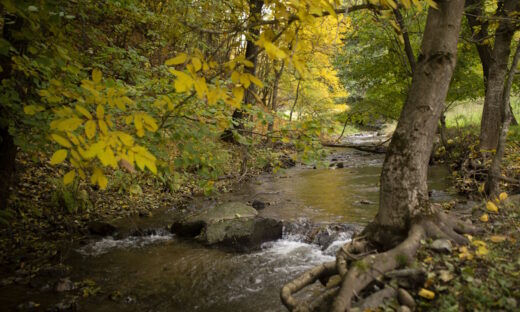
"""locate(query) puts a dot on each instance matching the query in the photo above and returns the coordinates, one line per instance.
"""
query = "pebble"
(405, 298)
(442, 245)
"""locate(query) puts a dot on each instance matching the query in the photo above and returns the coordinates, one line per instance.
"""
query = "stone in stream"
(101, 228)
(232, 224)
(258, 204)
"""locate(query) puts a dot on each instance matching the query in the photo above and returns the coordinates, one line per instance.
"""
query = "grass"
(469, 113)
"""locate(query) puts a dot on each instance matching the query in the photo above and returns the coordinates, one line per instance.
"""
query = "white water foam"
(108, 243)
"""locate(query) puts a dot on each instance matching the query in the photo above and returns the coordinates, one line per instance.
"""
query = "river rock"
(405, 298)
(64, 284)
(442, 245)
(232, 224)
(101, 228)
(258, 204)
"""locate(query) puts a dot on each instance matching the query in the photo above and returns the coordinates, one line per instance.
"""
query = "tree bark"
(404, 191)
(493, 181)
(497, 71)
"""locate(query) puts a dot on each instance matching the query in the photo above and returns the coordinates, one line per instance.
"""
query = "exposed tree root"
(358, 267)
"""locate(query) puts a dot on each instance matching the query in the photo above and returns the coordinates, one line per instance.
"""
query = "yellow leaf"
(497, 238)
(238, 93)
(235, 77)
(244, 80)
(100, 112)
(149, 123)
(138, 123)
(502, 196)
(99, 178)
(484, 218)
(201, 87)
(96, 76)
(248, 63)
(212, 97)
(127, 139)
(61, 140)
(83, 111)
(256, 81)
(406, 3)
(491, 207)
(58, 157)
(273, 51)
(432, 4)
(32, 109)
(69, 177)
(179, 59)
(103, 127)
(482, 251)
(90, 129)
(73, 138)
(418, 5)
(68, 124)
(107, 157)
(465, 253)
(183, 83)
(425, 293)
(197, 64)
(142, 161)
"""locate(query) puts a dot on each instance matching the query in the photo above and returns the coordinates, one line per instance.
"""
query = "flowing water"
(161, 272)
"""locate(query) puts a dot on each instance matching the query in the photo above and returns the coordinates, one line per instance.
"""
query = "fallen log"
(377, 149)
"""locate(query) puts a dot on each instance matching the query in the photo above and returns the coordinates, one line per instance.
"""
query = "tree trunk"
(295, 99)
(8, 149)
(406, 38)
(274, 97)
(7, 165)
(404, 191)
(492, 113)
(493, 181)
(239, 116)
(474, 10)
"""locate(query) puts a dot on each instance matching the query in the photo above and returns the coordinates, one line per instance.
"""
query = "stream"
(161, 272)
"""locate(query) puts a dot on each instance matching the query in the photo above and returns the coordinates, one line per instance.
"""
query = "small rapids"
(190, 277)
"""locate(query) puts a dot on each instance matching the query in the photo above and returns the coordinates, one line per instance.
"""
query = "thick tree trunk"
(493, 181)
(492, 113)
(404, 191)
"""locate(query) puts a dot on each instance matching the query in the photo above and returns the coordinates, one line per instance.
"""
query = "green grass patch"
(469, 113)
